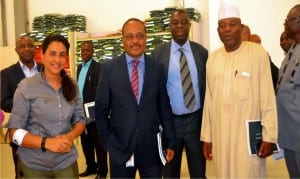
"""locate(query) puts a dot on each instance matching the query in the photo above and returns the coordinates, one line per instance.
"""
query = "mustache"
(135, 45)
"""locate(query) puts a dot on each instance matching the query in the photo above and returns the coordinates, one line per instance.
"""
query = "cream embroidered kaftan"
(238, 88)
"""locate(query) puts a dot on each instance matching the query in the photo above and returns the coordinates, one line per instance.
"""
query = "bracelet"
(43, 144)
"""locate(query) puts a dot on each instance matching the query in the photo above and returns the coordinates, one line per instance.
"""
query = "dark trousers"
(121, 171)
(90, 142)
(292, 160)
(14, 149)
(187, 137)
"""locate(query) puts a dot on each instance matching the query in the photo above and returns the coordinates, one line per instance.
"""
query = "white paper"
(244, 73)
(160, 148)
(278, 155)
(88, 107)
(130, 162)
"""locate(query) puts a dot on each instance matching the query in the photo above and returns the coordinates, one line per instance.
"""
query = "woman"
(47, 116)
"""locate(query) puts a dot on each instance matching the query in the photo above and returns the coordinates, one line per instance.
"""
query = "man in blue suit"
(187, 118)
(131, 106)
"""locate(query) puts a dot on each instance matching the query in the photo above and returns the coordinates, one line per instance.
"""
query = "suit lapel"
(196, 57)
(39, 67)
(147, 79)
(166, 59)
(19, 72)
(200, 69)
(88, 74)
(199, 65)
(78, 70)
(125, 77)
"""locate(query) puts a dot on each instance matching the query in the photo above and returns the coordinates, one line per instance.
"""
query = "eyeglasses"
(130, 37)
(291, 20)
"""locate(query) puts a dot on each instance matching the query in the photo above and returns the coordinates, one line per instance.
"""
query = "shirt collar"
(129, 59)
(87, 63)
(25, 67)
(42, 79)
(175, 46)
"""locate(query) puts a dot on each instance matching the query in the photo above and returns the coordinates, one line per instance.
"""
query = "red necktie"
(135, 79)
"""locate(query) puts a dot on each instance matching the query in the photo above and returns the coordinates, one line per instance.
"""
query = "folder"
(89, 109)
(254, 137)
(161, 151)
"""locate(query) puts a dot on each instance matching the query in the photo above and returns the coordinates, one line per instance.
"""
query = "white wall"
(109, 15)
(1, 25)
(265, 17)
(8, 56)
(10, 22)
(102, 15)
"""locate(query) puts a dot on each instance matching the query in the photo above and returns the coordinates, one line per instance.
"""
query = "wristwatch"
(43, 144)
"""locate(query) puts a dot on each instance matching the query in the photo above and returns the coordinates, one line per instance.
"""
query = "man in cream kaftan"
(239, 88)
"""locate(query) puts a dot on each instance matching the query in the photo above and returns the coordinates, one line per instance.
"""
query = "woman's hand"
(59, 144)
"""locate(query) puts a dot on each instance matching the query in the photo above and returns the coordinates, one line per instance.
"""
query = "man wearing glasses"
(288, 96)
(131, 103)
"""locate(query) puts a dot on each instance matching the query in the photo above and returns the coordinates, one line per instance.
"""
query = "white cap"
(228, 11)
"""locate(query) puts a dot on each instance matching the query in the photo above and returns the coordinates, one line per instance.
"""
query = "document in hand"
(161, 151)
(254, 136)
(89, 109)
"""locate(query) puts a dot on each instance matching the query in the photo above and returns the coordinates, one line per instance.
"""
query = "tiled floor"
(276, 168)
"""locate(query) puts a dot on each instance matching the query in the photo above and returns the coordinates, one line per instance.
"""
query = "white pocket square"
(246, 74)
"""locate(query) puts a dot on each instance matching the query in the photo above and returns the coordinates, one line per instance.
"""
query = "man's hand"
(265, 149)
(207, 150)
(169, 154)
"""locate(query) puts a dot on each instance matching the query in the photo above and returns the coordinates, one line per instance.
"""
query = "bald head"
(25, 49)
(245, 33)
(22, 38)
(255, 38)
(285, 42)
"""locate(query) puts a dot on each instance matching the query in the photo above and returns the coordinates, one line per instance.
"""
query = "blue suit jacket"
(126, 127)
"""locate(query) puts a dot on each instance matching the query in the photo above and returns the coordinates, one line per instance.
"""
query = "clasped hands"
(60, 144)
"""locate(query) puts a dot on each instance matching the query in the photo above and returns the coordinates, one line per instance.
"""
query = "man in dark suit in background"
(12, 75)
(131, 103)
(88, 76)
(186, 99)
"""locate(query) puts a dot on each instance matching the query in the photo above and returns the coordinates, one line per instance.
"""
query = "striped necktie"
(186, 81)
(135, 79)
